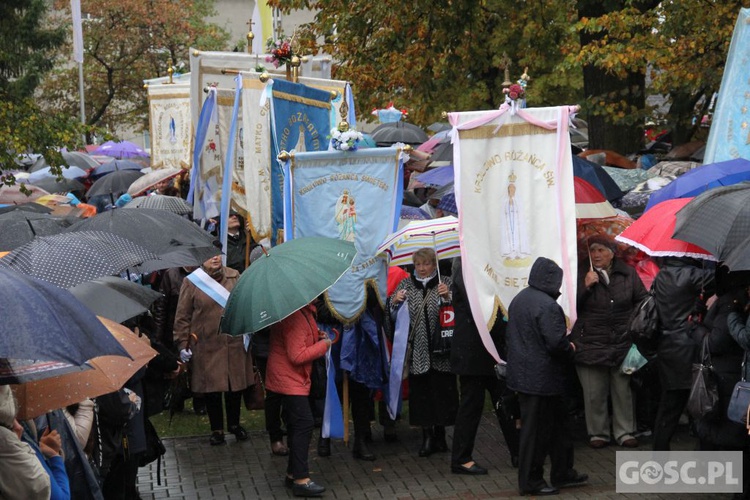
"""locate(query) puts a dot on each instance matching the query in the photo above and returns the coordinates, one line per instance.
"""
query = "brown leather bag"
(255, 394)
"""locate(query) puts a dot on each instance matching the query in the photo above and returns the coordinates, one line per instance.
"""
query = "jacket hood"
(546, 276)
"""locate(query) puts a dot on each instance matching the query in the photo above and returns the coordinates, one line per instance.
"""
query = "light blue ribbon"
(226, 185)
(333, 416)
(201, 131)
(208, 285)
(398, 355)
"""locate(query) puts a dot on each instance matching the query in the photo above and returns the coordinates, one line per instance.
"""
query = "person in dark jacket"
(538, 352)
(677, 289)
(475, 368)
(238, 240)
(608, 291)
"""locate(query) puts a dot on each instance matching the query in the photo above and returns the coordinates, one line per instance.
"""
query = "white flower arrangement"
(345, 141)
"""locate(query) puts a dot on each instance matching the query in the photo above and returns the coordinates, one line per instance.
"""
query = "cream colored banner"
(514, 185)
(170, 125)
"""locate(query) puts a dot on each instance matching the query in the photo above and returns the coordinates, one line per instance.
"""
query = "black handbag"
(704, 392)
(740, 400)
(318, 379)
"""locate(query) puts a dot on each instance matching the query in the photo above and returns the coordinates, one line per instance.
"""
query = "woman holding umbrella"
(433, 393)
(220, 362)
(295, 343)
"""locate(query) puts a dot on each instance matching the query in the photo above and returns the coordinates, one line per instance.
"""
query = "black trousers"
(232, 402)
(470, 408)
(543, 432)
(120, 483)
(671, 406)
(271, 406)
(299, 427)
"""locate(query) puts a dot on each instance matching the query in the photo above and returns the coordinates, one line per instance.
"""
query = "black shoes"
(279, 449)
(428, 446)
(217, 438)
(239, 432)
(308, 489)
(474, 470)
(541, 492)
(514, 461)
(324, 447)
(573, 479)
(361, 451)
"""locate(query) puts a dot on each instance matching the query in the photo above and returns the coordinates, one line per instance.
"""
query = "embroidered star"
(743, 109)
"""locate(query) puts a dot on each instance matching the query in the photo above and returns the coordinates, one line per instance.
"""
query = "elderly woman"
(608, 291)
(433, 393)
(221, 365)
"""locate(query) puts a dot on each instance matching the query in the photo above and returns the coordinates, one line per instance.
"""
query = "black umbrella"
(72, 158)
(442, 152)
(36, 208)
(162, 202)
(116, 166)
(115, 298)
(44, 322)
(390, 133)
(160, 231)
(53, 185)
(68, 259)
(114, 184)
(19, 227)
(717, 220)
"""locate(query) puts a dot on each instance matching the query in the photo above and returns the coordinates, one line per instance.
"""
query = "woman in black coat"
(475, 368)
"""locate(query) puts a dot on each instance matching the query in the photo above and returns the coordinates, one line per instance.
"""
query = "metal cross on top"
(250, 35)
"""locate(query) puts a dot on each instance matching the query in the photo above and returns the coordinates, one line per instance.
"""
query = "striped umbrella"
(590, 202)
(440, 234)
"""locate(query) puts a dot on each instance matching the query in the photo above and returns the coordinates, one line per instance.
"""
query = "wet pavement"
(191, 469)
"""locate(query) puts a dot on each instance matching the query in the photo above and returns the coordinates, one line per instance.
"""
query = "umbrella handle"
(192, 340)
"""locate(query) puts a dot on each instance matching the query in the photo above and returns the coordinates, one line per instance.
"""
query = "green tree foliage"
(27, 46)
(126, 42)
(441, 55)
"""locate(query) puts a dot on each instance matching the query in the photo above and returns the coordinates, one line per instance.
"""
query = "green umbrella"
(284, 280)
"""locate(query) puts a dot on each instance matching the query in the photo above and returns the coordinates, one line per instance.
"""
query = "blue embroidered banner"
(729, 137)
(354, 196)
(300, 121)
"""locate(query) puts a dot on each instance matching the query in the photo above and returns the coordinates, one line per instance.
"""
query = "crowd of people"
(93, 449)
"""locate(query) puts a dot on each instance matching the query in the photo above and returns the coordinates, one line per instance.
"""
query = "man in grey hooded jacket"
(538, 352)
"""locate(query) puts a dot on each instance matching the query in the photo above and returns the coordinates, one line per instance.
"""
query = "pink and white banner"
(515, 197)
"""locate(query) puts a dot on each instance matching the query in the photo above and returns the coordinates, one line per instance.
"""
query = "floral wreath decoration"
(344, 138)
(280, 50)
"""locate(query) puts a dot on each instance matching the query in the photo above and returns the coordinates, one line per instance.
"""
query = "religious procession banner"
(354, 196)
(344, 94)
(300, 122)
(254, 183)
(729, 137)
(515, 197)
(205, 175)
(170, 125)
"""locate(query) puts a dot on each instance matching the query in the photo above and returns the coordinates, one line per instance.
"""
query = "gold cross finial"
(250, 24)
(505, 64)
(170, 70)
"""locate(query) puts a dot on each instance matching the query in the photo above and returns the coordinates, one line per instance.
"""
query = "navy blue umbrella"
(598, 177)
(44, 322)
(114, 166)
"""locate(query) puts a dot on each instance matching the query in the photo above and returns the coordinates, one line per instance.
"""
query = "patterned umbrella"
(115, 298)
(12, 195)
(441, 234)
(609, 227)
(68, 259)
(590, 202)
(19, 227)
(652, 233)
(161, 202)
(107, 374)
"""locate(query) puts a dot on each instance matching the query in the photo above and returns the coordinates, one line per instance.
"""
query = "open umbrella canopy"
(608, 227)
(391, 133)
(19, 227)
(284, 280)
(44, 322)
(590, 202)
(115, 183)
(114, 166)
(440, 234)
(46, 173)
(151, 179)
(652, 233)
(107, 374)
(435, 177)
(596, 176)
(172, 204)
(115, 298)
(159, 231)
(18, 371)
(124, 149)
(717, 220)
(703, 178)
(68, 259)
(53, 185)
(12, 195)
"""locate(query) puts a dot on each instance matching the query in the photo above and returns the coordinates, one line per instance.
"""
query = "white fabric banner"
(515, 196)
(75, 9)
(170, 126)
(225, 103)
